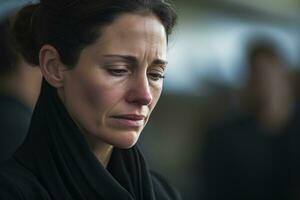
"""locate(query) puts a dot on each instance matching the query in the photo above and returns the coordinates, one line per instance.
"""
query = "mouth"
(133, 117)
(129, 120)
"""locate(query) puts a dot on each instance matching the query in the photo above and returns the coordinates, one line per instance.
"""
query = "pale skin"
(116, 83)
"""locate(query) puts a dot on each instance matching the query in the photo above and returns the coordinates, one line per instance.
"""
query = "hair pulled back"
(8, 56)
(71, 25)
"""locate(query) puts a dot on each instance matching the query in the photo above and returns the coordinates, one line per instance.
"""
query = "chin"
(127, 140)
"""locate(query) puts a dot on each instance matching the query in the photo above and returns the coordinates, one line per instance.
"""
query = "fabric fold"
(57, 154)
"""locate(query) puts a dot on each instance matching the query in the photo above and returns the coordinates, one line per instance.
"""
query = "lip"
(133, 117)
(129, 120)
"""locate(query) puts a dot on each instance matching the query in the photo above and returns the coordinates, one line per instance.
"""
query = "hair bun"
(23, 32)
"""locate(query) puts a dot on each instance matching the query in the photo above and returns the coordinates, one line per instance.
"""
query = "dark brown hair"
(8, 57)
(71, 25)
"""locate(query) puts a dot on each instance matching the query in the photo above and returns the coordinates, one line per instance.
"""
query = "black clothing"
(55, 163)
(14, 123)
(240, 160)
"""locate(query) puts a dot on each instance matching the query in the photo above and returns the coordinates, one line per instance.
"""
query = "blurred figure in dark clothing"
(19, 88)
(254, 153)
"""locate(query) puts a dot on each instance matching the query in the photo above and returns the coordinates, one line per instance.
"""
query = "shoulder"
(13, 110)
(163, 190)
(18, 183)
(14, 123)
(11, 104)
(13, 113)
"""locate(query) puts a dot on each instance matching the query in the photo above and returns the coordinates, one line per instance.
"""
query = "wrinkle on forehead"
(137, 35)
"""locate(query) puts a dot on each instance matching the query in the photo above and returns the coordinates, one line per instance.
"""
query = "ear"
(51, 66)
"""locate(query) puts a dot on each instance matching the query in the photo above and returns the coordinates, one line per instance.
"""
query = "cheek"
(156, 93)
(102, 94)
(99, 94)
(95, 94)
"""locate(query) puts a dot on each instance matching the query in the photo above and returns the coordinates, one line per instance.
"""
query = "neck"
(11, 87)
(275, 116)
(101, 150)
(23, 83)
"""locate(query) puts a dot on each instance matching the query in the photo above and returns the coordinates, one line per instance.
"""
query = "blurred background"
(214, 74)
(207, 75)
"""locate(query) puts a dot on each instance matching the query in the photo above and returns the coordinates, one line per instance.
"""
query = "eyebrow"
(134, 60)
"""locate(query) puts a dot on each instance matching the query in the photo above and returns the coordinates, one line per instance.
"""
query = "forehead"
(133, 32)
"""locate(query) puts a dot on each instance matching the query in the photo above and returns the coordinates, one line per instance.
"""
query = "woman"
(103, 65)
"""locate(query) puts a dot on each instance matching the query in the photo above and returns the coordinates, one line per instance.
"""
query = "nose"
(140, 92)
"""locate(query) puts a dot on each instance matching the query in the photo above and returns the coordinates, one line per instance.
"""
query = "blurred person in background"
(253, 154)
(19, 89)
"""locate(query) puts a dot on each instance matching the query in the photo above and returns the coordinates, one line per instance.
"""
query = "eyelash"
(121, 72)
(156, 76)
(117, 72)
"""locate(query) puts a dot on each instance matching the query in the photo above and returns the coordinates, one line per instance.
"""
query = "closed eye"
(118, 72)
(156, 76)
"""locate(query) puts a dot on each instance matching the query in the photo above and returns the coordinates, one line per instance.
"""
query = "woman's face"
(117, 81)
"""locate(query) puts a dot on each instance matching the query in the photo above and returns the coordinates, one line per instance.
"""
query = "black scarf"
(59, 156)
